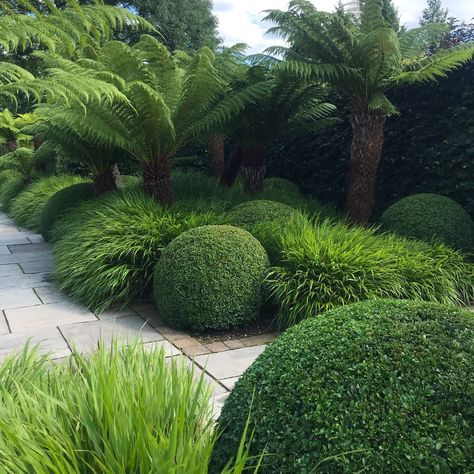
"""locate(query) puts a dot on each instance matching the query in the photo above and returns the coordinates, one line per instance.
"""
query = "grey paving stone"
(34, 238)
(39, 266)
(49, 293)
(7, 228)
(3, 324)
(18, 298)
(229, 383)
(32, 280)
(167, 347)
(10, 269)
(50, 341)
(224, 365)
(114, 313)
(4, 250)
(86, 336)
(54, 314)
(217, 388)
(13, 238)
(218, 403)
(42, 255)
(28, 248)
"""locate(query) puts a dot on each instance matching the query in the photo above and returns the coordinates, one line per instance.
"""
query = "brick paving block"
(170, 333)
(197, 350)
(217, 347)
(258, 340)
(184, 342)
(234, 344)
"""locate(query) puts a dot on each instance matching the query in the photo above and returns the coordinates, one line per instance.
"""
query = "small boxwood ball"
(280, 185)
(61, 202)
(380, 386)
(251, 213)
(431, 217)
(210, 277)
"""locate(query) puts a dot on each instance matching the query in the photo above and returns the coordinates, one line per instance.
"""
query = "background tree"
(364, 58)
(433, 13)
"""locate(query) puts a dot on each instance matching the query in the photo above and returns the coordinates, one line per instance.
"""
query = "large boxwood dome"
(379, 386)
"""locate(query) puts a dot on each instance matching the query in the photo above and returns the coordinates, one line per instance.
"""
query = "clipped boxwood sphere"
(390, 383)
(61, 202)
(431, 217)
(251, 213)
(280, 185)
(210, 277)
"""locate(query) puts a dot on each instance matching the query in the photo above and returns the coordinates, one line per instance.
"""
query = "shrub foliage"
(388, 383)
(106, 250)
(11, 184)
(210, 278)
(431, 217)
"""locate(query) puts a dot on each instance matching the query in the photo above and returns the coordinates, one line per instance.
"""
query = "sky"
(240, 21)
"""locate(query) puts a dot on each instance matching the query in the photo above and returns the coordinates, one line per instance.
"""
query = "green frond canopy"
(359, 53)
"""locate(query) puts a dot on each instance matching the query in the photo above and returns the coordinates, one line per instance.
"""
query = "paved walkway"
(32, 309)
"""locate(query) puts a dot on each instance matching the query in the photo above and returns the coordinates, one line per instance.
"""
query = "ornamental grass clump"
(106, 249)
(11, 184)
(26, 209)
(378, 386)
(116, 411)
(326, 264)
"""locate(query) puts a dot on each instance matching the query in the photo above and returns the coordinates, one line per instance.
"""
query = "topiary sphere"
(251, 213)
(210, 277)
(280, 185)
(431, 217)
(64, 200)
(389, 383)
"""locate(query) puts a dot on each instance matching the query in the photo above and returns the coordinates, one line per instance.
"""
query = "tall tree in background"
(434, 13)
(184, 24)
(363, 57)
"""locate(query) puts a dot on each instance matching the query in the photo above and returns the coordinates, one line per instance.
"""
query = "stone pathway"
(33, 311)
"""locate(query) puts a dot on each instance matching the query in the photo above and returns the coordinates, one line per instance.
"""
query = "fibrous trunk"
(215, 150)
(232, 167)
(105, 182)
(253, 169)
(366, 150)
(157, 180)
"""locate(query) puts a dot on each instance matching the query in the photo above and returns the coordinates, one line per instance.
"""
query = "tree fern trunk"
(253, 169)
(366, 150)
(105, 182)
(157, 180)
(215, 149)
(232, 167)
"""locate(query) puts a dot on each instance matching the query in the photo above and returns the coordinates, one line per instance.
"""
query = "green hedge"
(61, 202)
(380, 386)
(280, 185)
(323, 265)
(210, 277)
(27, 207)
(431, 217)
(106, 249)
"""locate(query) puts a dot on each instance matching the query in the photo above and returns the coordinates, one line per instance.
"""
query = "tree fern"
(362, 55)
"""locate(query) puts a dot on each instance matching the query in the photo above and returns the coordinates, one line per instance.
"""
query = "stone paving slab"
(18, 298)
(4, 250)
(55, 314)
(10, 270)
(224, 365)
(114, 313)
(33, 280)
(13, 238)
(38, 266)
(29, 247)
(85, 337)
(43, 255)
(3, 324)
(49, 341)
(49, 293)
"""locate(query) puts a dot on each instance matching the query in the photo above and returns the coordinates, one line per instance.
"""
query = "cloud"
(241, 21)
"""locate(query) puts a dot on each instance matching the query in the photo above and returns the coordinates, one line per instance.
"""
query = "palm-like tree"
(164, 101)
(362, 56)
(290, 108)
